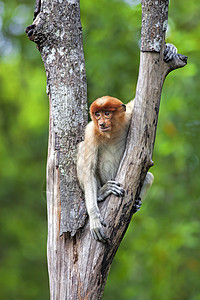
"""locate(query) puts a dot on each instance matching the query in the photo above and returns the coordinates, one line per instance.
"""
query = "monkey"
(100, 154)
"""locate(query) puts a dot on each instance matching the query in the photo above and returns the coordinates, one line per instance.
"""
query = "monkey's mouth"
(105, 129)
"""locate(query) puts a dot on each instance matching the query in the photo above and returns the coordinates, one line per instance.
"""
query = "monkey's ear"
(124, 106)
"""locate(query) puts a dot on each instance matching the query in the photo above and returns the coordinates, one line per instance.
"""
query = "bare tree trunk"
(78, 265)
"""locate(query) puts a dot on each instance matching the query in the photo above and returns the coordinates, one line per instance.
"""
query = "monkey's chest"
(109, 158)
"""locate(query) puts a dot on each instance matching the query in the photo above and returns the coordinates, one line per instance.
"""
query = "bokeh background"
(159, 257)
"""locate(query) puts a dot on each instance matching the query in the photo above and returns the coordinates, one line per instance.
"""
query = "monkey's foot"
(170, 52)
(111, 187)
(96, 229)
(137, 204)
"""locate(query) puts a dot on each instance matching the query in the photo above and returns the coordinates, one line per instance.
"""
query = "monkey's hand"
(96, 229)
(170, 52)
(111, 187)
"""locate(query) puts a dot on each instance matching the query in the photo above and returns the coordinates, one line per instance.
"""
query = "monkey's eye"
(97, 114)
(107, 113)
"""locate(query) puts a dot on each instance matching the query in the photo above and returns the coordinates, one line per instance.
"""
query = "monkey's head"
(107, 113)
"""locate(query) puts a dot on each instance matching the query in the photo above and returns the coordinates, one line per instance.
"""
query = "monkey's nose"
(102, 125)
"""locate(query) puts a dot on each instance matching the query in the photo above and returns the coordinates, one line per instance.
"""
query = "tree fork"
(78, 265)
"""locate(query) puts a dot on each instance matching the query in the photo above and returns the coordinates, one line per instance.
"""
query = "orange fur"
(117, 119)
(105, 103)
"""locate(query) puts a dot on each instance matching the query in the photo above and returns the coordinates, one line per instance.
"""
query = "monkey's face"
(103, 119)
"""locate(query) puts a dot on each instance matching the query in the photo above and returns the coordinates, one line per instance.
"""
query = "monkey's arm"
(96, 220)
(86, 171)
(112, 187)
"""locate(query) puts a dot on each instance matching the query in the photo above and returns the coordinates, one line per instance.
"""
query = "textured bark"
(154, 23)
(78, 265)
(57, 32)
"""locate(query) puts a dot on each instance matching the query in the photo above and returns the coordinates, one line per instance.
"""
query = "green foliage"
(159, 257)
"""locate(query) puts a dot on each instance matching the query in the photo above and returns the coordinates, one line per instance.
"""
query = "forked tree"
(78, 265)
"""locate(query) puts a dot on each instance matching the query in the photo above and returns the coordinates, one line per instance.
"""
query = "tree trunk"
(78, 265)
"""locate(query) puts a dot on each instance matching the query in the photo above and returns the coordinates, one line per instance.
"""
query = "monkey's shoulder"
(89, 130)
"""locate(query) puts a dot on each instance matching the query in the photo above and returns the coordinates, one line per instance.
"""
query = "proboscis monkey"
(100, 154)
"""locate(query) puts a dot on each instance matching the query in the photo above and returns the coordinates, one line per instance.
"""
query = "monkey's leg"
(111, 187)
(146, 185)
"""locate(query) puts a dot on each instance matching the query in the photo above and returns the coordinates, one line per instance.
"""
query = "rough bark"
(154, 23)
(78, 265)
(57, 32)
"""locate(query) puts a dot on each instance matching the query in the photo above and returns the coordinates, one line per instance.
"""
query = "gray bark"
(57, 32)
(78, 265)
(154, 23)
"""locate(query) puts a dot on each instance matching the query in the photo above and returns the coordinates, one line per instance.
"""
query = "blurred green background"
(159, 257)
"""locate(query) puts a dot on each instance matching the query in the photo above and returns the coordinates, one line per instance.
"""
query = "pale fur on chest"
(109, 158)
